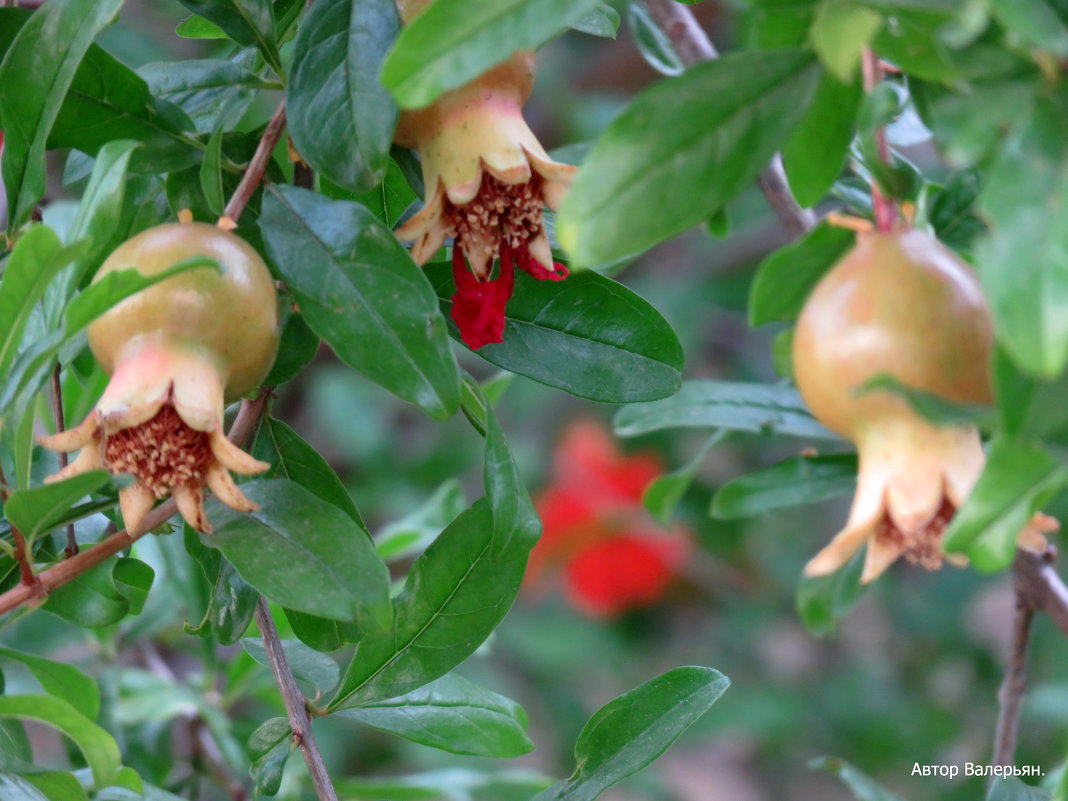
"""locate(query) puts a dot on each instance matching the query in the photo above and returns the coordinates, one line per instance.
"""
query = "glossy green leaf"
(786, 277)
(454, 715)
(681, 150)
(951, 211)
(815, 153)
(213, 92)
(863, 787)
(303, 553)
(90, 600)
(1023, 264)
(1035, 22)
(247, 22)
(454, 41)
(99, 748)
(196, 27)
(913, 42)
(16, 788)
(61, 680)
(62, 786)
(1019, 478)
(795, 481)
(318, 670)
(133, 579)
(603, 20)
(840, 31)
(388, 201)
(211, 181)
(586, 335)
(340, 116)
(651, 40)
(361, 292)
(516, 526)
(415, 531)
(38, 510)
(269, 748)
(298, 346)
(630, 732)
(760, 408)
(231, 602)
(52, 43)
(824, 600)
(293, 458)
(455, 595)
(321, 633)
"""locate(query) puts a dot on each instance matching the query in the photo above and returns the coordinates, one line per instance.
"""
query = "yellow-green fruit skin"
(899, 303)
(231, 315)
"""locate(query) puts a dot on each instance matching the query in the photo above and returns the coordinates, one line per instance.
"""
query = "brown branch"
(296, 706)
(62, 572)
(1010, 694)
(884, 207)
(1039, 585)
(57, 416)
(258, 166)
(692, 45)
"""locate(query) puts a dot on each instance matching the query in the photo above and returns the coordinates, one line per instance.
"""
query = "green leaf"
(454, 715)
(586, 335)
(340, 116)
(630, 732)
(133, 579)
(321, 633)
(361, 292)
(1029, 407)
(515, 523)
(61, 680)
(211, 173)
(933, 408)
(39, 510)
(455, 41)
(1023, 264)
(60, 786)
(303, 553)
(269, 747)
(840, 31)
(760, 408)
(450, 784)
(298, 347)
(196, 27)
(99, 748)
(416, 530)
(293, 458)
(455, 595)
(823, 600)
(863, 787)
(214, 93)
(16, 788)
(654, 44)
(1035, 22)
(388, 201)
(90, 600)
(1012, 789)
(816, 151)
(663, 493)
(681, 150)
(795, 481)
(1019, 478)
(231, 602)
(603, 21)
(52, 43)
(247, 22)
(319, 670)
(786, 277)
(36, 260)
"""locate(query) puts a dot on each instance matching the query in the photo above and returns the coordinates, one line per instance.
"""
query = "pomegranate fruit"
(899, 303)
(176, 353)
(487, 181)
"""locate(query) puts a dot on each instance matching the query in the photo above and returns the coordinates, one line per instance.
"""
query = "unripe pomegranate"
(899, 303)
(487, 180)
(176, 353)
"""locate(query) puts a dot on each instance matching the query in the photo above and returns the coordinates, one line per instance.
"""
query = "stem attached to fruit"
(884, 207)
(692, 45)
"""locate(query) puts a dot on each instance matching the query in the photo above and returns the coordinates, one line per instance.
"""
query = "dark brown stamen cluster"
(923, 546)
(500, 211)
(162, 453)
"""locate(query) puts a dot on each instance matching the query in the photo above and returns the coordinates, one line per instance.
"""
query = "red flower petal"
(478, 306)
(558, 272)
(589, 456)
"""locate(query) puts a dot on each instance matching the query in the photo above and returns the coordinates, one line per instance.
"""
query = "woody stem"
(884, 207)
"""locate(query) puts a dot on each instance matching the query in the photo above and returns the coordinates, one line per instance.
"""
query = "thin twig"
(59, 574)
(22, 556)
(884, 207)
(693, 46)
(258, 166)
(57, 415)
(1010, 694)
(296, 706)
(1038, 583)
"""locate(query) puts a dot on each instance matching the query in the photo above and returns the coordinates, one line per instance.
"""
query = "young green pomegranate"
(899, 303)
(176, 353)
(487, 180)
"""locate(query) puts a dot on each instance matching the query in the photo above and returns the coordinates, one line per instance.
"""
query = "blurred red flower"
(611, 555)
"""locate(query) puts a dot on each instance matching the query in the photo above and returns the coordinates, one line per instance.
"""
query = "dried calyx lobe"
(898, 304)
(176, 353)
(487, 181)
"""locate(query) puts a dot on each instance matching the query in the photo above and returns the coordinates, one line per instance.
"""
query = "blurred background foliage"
(910, 675)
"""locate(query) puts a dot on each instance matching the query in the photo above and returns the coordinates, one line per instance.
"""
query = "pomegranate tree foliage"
(980, 76)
